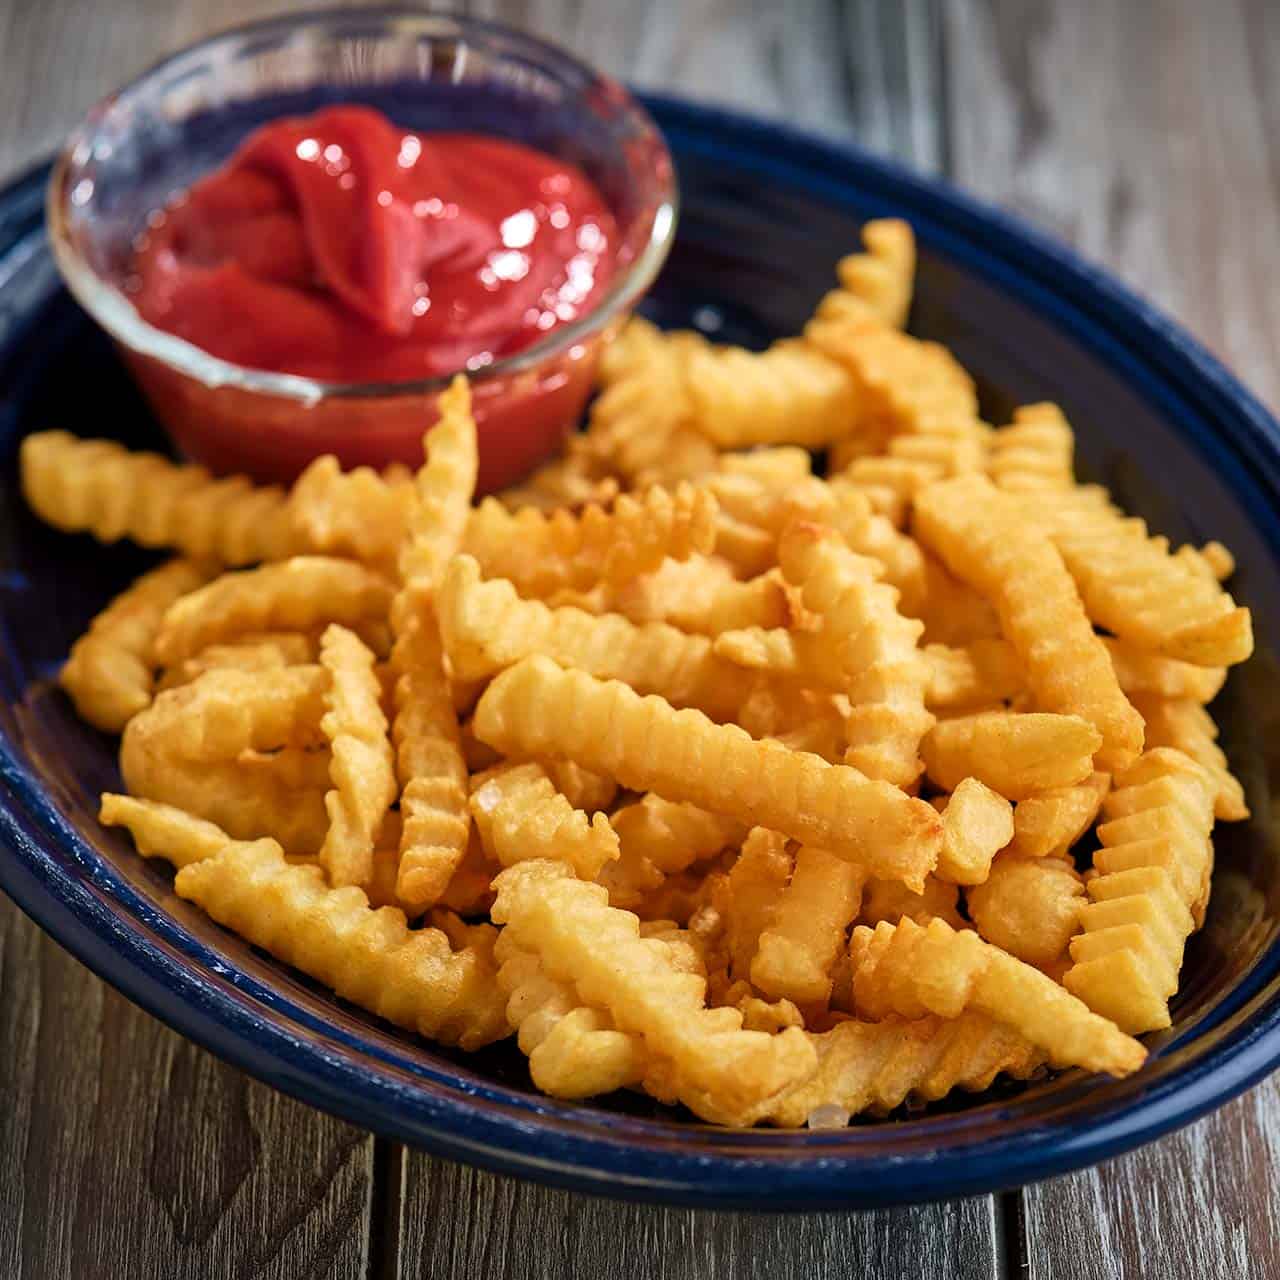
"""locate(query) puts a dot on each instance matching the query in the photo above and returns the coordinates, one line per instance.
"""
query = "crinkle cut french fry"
(984, 539)
(778, 467)
(1155, 862)
(443, 488)
(431, 769)
(891, 900)
(1035, 451)
(797, 950)
(567, 481)
(709, 1062)
(362, 765)
(247, 804)
(486, 627)
(953, 613)
(877, 1066)
(537, 708)
(224, 712)
(789, 394)
(430, 764)
(585, 790)
(660, 838)
(639, 425)
(976, 824)
(574, 1050)
(413, 979)
(1051, 821)
(882, 276)
(358, 514)
(870, 534)
(1028, 907)
(162, 831)
(1186, 725)
(701, 595)
(267, 651)
(909, 970)
(1015, 754)
(545, 553)
(520, 815)
(109, 673)
(983, 671)
(1143, 672)
(811, 657)
(886, 675)
(100, 487)
(903, 384)
(294, 594)
(671, 835)
(1135, 588)
(747, 896)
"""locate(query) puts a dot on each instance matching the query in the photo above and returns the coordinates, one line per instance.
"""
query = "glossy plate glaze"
(766, 214)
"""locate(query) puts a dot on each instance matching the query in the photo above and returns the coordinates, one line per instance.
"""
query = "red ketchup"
(344, 248)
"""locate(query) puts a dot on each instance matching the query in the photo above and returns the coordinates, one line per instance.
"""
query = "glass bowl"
(140, 147)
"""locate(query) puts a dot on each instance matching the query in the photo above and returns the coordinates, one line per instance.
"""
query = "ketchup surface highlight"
(344, 248)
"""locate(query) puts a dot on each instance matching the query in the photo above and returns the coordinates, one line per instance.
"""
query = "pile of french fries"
(699, 772)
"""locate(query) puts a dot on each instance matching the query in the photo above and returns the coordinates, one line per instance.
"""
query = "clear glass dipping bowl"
(140, 147)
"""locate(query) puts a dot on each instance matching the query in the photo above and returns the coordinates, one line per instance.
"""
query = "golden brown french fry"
(357, 514)
(486, 627)
(520, 815)
(362, 765)
(983, 538)
(797, 950)
(1035, 451)
(109, 674)
(710, 1063)
(909, 970)
(545, 553)
(885, 674)
(537, 708)
(414, 979)
(292, 595)
(1184, 724)
(789, 394)
(1028, 907)
(1013, 753)
(877, 1066)
(1051, 821)
(1131, 585)
(976, 824)
(99, 487)
(1155, 862)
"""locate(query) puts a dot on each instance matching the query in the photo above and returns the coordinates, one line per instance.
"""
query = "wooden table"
(1143, 133)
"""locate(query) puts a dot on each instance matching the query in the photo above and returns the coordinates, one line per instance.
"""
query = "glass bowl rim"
(116, 314)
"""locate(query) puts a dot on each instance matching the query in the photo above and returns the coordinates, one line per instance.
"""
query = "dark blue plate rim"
(75, 894)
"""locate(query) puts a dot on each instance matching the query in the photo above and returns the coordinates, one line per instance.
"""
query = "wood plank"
(520, 1231)
(1202, 1203)
(860, 70)
(125, 1151)
(1144, 134)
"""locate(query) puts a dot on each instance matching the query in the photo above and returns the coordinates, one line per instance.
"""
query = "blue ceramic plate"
(766, 214)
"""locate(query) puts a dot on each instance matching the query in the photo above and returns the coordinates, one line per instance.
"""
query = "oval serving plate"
(767, 211)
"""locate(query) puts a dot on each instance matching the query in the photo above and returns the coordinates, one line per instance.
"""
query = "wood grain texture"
(1146, 134)
(126, 1153)
(520, 1231)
